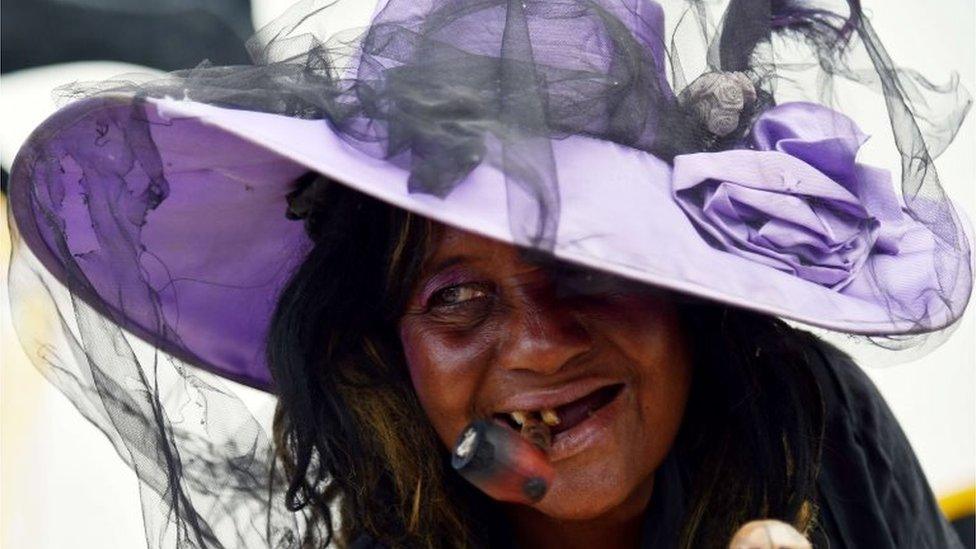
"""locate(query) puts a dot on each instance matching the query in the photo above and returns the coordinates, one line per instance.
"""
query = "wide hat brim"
(198, 273)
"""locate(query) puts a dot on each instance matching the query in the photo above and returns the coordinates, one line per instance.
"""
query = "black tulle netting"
(439, 87)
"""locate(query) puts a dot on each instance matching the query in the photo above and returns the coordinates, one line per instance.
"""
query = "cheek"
(446, 371)
(653, 338)
(647, 331)
(666, 373)
(643, 334)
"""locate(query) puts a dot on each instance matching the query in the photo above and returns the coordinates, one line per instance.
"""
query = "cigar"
(537, 432)
(503, 464)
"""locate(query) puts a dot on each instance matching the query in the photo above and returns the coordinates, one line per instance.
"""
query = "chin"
(594, 490)
(606, 465)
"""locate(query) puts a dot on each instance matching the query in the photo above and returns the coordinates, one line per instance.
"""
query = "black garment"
(872, 491)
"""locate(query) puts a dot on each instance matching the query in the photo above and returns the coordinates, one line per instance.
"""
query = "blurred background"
(63, 484)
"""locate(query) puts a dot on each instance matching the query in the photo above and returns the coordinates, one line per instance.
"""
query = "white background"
(64, 486)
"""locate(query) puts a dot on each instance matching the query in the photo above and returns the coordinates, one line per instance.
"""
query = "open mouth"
(566, 416)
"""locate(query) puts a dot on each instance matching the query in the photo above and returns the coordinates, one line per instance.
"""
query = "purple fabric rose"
(798, 201)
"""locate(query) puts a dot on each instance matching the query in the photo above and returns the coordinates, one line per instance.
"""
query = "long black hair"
(361, 456)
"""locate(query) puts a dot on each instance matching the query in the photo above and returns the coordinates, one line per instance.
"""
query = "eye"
(576, 282)
(458, 294)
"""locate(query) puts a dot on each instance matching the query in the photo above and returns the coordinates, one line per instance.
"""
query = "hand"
(768, 534)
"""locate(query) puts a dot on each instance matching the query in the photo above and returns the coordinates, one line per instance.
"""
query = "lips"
(564, 416)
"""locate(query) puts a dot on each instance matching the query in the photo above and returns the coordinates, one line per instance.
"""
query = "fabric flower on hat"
(797, 201)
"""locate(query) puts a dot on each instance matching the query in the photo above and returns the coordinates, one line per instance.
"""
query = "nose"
(541, 335)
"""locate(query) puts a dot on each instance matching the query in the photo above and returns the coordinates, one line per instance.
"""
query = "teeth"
(519, 417)
(549, 417)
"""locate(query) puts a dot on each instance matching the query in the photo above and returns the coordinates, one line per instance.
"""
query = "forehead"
(453, 245)
(450, 246)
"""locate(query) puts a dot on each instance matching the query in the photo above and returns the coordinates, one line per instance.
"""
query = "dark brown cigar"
(502, 464)
(537, 432)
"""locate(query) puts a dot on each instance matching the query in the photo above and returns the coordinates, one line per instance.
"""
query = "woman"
(714, 415)
(563, 231)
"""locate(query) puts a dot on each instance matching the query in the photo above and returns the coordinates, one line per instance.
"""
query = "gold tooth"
(519, 416)
(550, 417)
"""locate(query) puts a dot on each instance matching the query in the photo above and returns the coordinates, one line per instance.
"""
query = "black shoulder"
(872, 491)
(848, 393)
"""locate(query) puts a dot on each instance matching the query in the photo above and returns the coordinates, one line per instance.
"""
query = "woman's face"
(487, 333)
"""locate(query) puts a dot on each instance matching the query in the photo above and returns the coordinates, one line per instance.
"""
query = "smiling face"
(487, 333)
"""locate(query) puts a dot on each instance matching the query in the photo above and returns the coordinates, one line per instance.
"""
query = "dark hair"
(357, 448)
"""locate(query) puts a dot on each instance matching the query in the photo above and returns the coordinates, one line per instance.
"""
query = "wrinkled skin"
(484, 324)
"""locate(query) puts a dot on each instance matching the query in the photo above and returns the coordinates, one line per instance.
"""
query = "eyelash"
(437, 298)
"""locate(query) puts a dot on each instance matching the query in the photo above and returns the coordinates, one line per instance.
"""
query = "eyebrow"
(447, 262)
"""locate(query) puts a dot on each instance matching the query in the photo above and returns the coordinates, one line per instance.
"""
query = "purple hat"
(563, 126)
